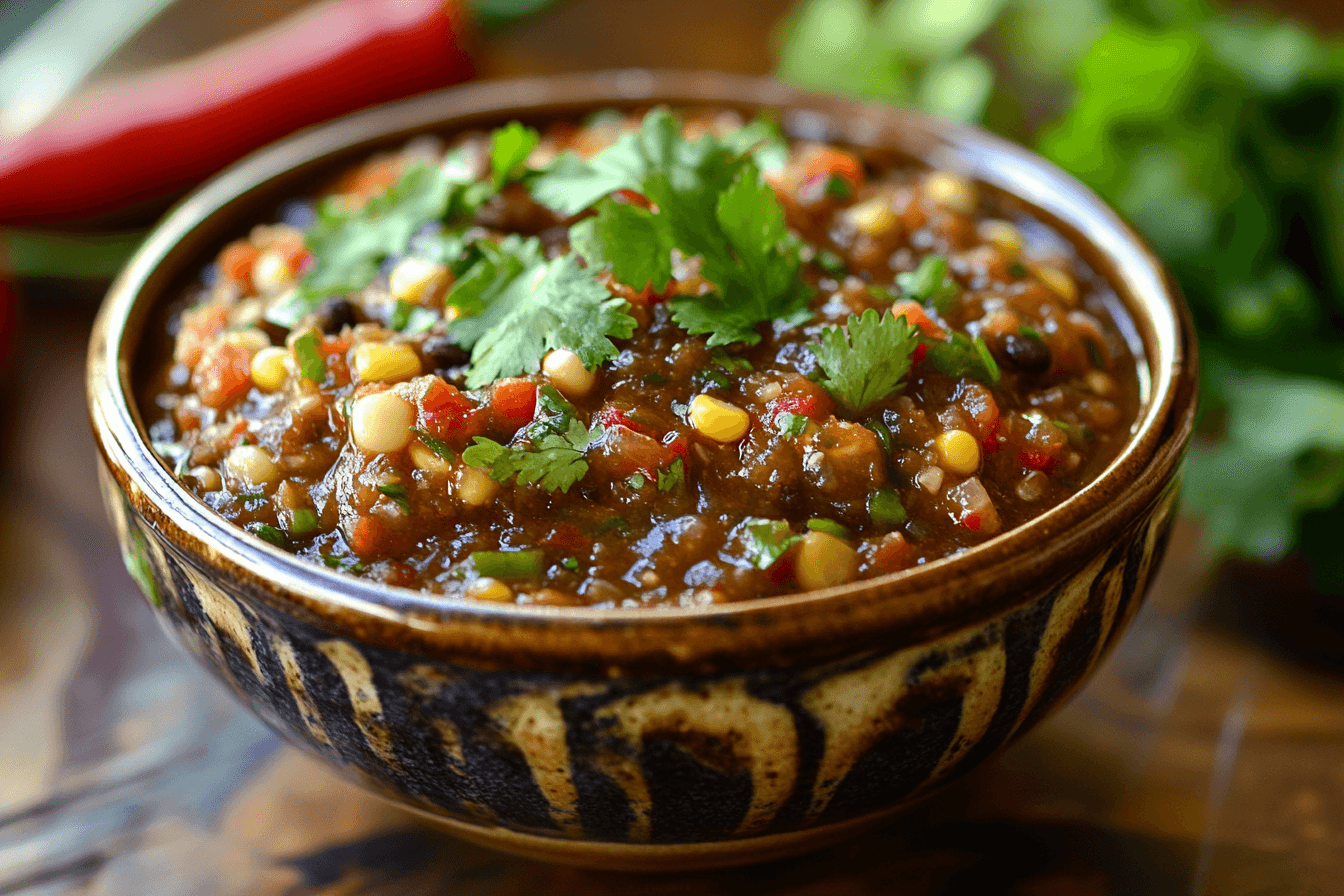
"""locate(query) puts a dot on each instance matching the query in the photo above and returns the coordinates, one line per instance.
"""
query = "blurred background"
(1208, 755)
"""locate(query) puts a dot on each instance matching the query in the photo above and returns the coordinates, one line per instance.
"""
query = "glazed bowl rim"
(940, 596)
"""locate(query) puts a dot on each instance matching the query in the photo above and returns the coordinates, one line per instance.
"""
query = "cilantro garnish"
(712, 203)
(930, 284)
(176, 454)
(637, 481)
(337, 563)
(963, 356)
(435, 445)
(509, 148)
(788, 423)
(311, 363)
(412, 319)
(673, 476)
(831, 264)
(870, 361)
(556, 461)
(397, 492)
(570, 563)
(767, 540)
(613, 524)
(550, 306)
(303, 521)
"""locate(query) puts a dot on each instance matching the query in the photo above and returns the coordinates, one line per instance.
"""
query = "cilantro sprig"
(931, 284)
(556, 461)
(868, 359)
(767, 540)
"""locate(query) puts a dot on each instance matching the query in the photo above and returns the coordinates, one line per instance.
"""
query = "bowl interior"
(939, 596)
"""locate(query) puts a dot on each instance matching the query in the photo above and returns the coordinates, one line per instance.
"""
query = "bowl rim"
(903, 608)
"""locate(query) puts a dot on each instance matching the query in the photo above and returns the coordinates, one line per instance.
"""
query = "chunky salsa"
(645, 360)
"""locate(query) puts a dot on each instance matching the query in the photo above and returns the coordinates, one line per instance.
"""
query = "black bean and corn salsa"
(643, 361)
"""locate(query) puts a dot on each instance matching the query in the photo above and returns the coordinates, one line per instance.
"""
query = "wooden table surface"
(1206, 757)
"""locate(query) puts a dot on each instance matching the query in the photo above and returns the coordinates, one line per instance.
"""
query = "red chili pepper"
(614, 416)
(151, 134)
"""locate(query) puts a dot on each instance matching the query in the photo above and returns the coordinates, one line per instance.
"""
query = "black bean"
(335, 314)
(444, 353)
(1027, 354)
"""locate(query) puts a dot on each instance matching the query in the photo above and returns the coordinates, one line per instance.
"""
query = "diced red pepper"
(631, 197)
(514, 402)
(236, 260)
(916, 316)
(1039, 459)
(365, 536)
(677, 447)
(918, 354)
(990, 442)
(614, 416)
(566, 537)
(830, 162)
(783, 571)
(972, 521)
(813, 405)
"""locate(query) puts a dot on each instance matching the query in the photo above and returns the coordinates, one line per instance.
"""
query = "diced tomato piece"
(1039, 459)
(614, 416)
(236, 260)
(918, 354)
(783, 571)
(514, 401)
(808, 400)
(199, 327)
(445, 412)
(835, 162)
(567, 537)
(916, 316)
(366, 535)
(223, 375)
(989, 443)
(972, 521)
(895, 553)
(677, 447)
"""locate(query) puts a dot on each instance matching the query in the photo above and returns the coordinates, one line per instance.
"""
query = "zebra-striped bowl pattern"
(664, 738)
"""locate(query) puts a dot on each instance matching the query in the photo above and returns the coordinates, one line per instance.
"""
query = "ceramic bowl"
(668, 738)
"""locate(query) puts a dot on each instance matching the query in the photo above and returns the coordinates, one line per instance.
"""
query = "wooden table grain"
(1206, 757)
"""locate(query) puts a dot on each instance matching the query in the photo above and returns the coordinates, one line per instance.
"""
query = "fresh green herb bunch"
(1219, 134)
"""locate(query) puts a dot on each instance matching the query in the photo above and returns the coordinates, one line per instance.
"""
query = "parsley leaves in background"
(869, 361)
(1218, 133)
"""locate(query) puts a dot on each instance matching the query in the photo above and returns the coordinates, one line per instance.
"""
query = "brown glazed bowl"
(655, 738)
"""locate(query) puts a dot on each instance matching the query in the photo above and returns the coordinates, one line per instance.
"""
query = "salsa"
(641, 361)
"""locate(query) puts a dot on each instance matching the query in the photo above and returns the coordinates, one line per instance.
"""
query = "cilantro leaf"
(478, 288)
(556, 461)
(397, 492)
(870, 361)
(931, 284)
(628, 237)
(767, 540)
(673, 476)
(509, 148)
(412, 319)
(961, 355)
(558, 305)
(438, 446)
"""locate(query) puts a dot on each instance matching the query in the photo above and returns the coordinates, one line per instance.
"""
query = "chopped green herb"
(412, 319)
(637, 481)
(1030, 332)
(311, 363)
(830, 527)
(883, 433)
(333, 562)
(711, 378)
(509, 148)
(930, 284)
(397, 492)
(838, 188)
(885, 508)
(436, 445)
(614, 524)
(556, 461)
(509, 564)
(630, 239)
(177, 455)
(673, 476)
(652, 379)
(1016, 269)
(767, 540)
(268, 533)
(731, 363)
(790, 424)
(570, 564)
(1079, 436)
(869, 361)
(303, 521)
(832, 264)
(963, 356)
(680, 409)
(251, 496)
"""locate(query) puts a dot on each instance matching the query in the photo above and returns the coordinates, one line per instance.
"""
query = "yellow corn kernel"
(381, 423)
(249, 338)
(1058, 282)
(824, 561)
(206, 477)
(268, 368)
(875, 217)
(386, 362)
(952, 191)
(1002, 236)
(566, 372)
(271, 273)
(416, 280)
(958, 452)
(719, 420)
(475, 487)
(427, 460)
(493, 590)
